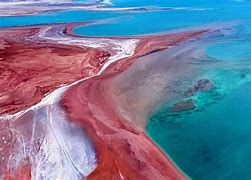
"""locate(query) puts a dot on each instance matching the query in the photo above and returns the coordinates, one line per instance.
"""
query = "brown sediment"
(183, 106)
(123, 151)
(202, 85)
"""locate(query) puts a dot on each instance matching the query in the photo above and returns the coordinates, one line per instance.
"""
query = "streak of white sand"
(121, 48)
(29, 2)
(65, 152)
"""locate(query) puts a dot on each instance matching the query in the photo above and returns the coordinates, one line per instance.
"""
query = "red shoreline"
(121, 148)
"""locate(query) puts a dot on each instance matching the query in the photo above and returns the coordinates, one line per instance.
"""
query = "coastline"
(125, 140)
(93, 112)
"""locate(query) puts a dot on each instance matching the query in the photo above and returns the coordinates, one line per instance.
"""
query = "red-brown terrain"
(30, 69)
(124, 152)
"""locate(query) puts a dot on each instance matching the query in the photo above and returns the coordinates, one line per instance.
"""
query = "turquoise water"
(231, 51)
(196, 13)
(53, 17)
(210, 141)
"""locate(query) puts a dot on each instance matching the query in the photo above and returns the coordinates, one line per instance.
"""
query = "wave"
(109, 2)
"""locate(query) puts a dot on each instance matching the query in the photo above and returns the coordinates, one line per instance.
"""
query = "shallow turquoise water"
(196, 13)
(212, 142)
(230, 51)
(53, 17)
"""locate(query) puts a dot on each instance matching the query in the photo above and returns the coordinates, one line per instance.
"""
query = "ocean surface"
(212, 140)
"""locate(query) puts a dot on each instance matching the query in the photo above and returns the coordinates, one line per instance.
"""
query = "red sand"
(29, 70)
(10, 137)
(122, 150)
